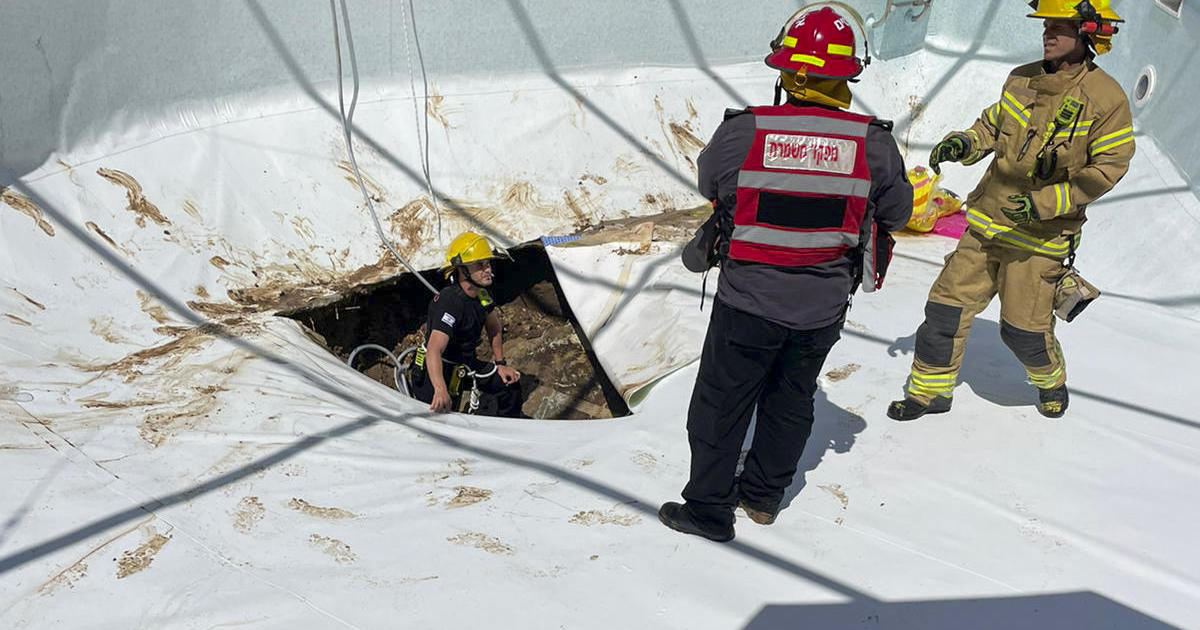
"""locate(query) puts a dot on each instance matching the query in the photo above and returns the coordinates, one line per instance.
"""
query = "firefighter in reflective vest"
(803, 189)
(1061, 135)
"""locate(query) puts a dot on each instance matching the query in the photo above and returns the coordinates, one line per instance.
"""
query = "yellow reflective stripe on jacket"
(1015, 108)
(1080, 129)
(1014, 236)
(1062, 199)
(1111, 141)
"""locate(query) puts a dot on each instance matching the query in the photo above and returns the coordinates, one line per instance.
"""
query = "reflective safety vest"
(802, 191)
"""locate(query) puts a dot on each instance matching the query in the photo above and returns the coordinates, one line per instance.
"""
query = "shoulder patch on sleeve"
(886, 125)
(448, 319)
(733, 113)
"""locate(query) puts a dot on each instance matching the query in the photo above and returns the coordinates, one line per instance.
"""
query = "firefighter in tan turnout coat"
(1061, 134)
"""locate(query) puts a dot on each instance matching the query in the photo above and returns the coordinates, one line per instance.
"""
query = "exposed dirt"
(454, 468)
(95, 229)
(676, 226)
(94, 403)
(598, 179)
(38, 305)
(17, 320)
(67, 578)
(467, 495)
(408, 225)
(842, 373)
(190, 208)
(102, 327)
(140, 559)
(838, 493)
(611, 517)
(334, 548)
(684, 138)
(248, 513)
(138, 204)
(153, 308)
(482, 541)
(25, 206)
(436, 107)
(377, 193)
(329, 513)
(560, 377)
(199, 404)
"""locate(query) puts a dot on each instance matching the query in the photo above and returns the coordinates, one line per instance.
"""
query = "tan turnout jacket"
(1092, 154)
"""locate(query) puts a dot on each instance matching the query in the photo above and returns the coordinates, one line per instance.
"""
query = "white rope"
(347, 119)
(420, 111)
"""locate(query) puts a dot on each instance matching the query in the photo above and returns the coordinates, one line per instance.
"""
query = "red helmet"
(820, 43)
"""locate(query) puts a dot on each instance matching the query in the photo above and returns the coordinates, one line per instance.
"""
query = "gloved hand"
(1024, 212)
(953, 149)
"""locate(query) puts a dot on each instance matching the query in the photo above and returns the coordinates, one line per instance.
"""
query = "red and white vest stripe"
(802, 191)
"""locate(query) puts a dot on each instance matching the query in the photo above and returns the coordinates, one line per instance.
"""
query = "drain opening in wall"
(1143, 90)
(561, 377)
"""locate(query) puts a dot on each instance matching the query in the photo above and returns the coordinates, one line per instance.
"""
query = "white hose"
(347, 119)
(401, 384)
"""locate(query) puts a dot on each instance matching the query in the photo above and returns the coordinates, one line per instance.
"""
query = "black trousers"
(495, 399)
(749, 361)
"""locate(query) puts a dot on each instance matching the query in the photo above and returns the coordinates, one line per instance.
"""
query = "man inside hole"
(447, 375)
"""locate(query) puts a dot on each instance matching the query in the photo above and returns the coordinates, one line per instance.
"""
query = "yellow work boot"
(911, 408)
(1052, 403)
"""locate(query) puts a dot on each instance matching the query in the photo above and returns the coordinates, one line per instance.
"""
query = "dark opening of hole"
(561, 377)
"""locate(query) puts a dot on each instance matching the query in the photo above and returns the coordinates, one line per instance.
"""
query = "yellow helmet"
(467, 248)
(1072, 10)
(1098, 21)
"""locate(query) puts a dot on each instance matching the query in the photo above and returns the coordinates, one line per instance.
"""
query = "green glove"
(1024, 212)
(953, 149)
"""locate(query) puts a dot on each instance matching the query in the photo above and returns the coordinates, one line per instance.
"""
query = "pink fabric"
(952, 226)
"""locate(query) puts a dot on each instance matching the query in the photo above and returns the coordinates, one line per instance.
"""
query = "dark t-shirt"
(461, 317)
(803, 298)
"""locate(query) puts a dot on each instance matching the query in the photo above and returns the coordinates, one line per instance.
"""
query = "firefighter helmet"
(1074, 10)
(1097, 19)
(467, 248)
(819, 42)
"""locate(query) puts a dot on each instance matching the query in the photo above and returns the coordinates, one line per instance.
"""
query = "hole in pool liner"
(561, 377)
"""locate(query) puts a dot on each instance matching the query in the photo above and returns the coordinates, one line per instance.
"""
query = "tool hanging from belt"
(1072, 293)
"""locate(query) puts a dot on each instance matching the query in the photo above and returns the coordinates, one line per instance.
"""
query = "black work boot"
(679, 518)
(1052, 403)
(762, 517)
(911, 408)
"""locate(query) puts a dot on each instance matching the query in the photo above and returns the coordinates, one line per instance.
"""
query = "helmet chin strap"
(466, 275)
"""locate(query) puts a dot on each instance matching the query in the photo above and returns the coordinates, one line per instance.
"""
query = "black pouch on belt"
(700, 254)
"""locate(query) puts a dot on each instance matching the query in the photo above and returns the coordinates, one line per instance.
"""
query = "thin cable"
(346, 124)
(422, 146)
